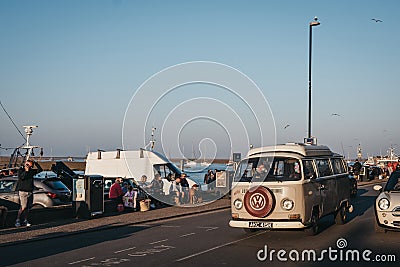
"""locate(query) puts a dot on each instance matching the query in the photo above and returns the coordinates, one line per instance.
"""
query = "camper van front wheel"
(341, 215)
(314, 228)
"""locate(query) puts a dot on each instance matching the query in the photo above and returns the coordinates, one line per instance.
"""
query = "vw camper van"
(289, 186)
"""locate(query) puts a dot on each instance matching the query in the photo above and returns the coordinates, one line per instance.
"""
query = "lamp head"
(315, 22)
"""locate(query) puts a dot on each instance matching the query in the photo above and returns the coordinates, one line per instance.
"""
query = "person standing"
(207, 179)
(175, 191)
(185, 188)
(157, 190)
(357, 169)
(25, 190)
(115, 193)
(212, 180)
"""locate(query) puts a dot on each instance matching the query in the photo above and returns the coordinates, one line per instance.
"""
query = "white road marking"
(75, 262)
(187, 235)
(217, 247)
(212, 228)
(119, 251)
(208, 228)
(150, 251)
(155, 242)
(170, 226)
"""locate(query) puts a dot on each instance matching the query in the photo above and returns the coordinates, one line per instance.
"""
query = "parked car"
(109, 181)
(387, 204)
(48, 192)
(142, 193)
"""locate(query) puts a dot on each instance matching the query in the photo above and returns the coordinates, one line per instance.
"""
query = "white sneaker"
(17, 223)
(26, 223)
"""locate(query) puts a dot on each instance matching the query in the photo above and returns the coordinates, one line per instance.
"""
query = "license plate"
(260, 225)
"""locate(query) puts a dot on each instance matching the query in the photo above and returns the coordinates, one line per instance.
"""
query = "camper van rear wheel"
(341, 215)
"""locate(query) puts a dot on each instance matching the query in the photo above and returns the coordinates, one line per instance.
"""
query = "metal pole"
(313, 23)
(309, 83)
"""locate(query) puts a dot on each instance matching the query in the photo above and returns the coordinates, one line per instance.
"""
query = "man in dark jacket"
(357, 169)
(185, 188)
(25, 190)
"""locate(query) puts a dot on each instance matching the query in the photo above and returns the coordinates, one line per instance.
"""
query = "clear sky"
(72, 67)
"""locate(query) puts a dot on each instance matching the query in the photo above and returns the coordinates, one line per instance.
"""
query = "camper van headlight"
(238, 203)
(287, 204)
(383, 203)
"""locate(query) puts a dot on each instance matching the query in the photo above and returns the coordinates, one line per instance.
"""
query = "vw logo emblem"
(257, 201)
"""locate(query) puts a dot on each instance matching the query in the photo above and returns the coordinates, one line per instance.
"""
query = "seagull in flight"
(287, 125)
(335, 114)
(377, 20)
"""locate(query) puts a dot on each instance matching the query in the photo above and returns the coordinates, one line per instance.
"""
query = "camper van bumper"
(267, 224)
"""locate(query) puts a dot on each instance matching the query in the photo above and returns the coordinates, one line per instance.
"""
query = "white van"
(133, 164)
(289, 186)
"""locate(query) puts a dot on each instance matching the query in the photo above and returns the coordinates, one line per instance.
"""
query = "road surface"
(207, 240)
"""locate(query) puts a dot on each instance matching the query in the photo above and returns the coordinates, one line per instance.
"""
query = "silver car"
(48, 192)
(387, 204)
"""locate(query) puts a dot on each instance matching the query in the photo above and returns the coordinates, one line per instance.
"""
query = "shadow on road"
(29, 251)
(361, 203)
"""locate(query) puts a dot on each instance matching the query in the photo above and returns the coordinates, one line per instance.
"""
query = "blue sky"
(72, 67)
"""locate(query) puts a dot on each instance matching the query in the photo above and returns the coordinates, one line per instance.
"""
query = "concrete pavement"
(69, 226)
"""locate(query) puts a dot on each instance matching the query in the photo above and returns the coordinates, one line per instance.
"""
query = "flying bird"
(377, 20)
(287, 125)
(335, 114)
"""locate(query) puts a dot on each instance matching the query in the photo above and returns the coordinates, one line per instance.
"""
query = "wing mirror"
(310, 176)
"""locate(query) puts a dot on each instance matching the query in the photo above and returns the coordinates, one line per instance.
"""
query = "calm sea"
(196, 173)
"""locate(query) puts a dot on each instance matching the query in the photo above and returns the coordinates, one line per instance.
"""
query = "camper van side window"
(309, 171)
(337, 166)
(345, 167)
(323, 167)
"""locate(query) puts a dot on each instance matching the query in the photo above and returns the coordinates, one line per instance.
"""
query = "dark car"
(48, 192)
(142, 194)
(109, 181)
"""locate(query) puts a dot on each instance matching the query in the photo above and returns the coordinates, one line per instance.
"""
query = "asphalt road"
(207, 240)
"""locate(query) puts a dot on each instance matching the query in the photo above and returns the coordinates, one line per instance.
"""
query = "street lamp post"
(312, 24)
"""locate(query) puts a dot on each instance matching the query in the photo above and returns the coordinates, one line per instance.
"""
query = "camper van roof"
(298, 148)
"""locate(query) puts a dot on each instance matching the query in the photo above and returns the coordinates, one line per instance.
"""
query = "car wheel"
(341, 215)
(314, 228)
(378, 228)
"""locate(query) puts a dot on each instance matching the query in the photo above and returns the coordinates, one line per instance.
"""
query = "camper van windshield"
(268, 169)
(167, 171)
